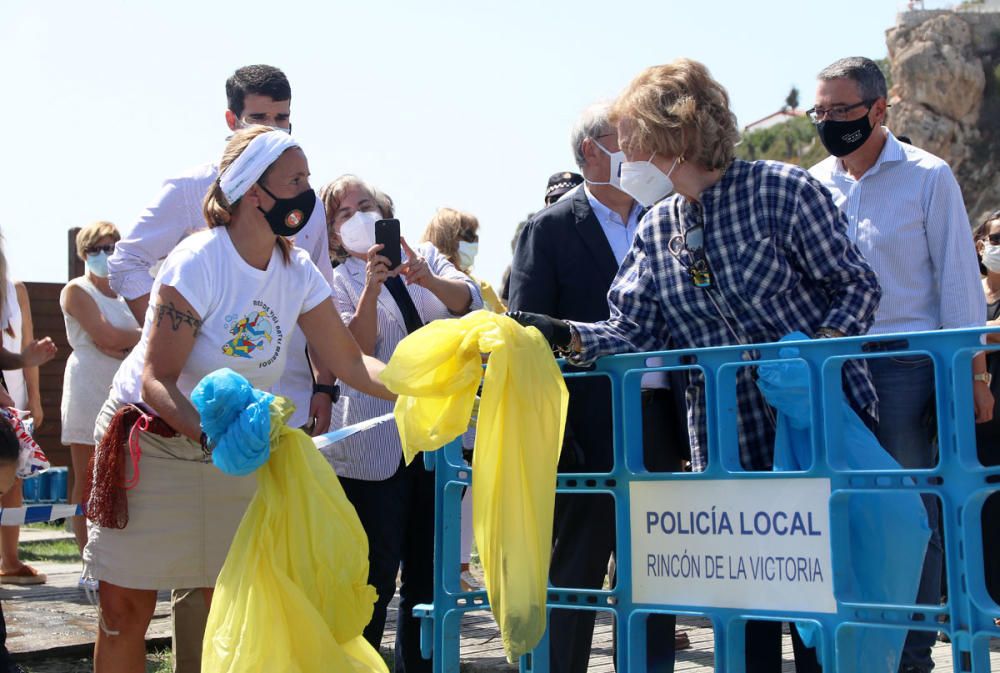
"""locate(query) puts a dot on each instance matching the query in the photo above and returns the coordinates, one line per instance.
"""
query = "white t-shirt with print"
(248, 315)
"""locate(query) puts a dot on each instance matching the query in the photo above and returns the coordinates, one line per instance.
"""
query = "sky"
(438, 103)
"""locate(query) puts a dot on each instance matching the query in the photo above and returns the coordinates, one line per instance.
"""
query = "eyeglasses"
(94, 249)
(994, 239)
(689, 250)
(837, 113)
(469, 236)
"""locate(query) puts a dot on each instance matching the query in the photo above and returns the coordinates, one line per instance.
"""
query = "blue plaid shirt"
(780, 261)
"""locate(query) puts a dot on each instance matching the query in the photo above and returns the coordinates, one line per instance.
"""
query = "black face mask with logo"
(842, 138)
(287, 216)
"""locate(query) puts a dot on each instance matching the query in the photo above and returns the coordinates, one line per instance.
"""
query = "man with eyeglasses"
(566, 258)
(906, 215)
(256, 95)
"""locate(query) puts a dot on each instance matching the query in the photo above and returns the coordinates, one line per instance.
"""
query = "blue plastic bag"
(888, 531)
(237, 420)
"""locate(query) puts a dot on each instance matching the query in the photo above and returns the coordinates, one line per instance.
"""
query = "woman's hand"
(982, 399)
(38, 352)
(555, 331)
(993, 337)
(377, 269)
(37, 414)
(415, 268)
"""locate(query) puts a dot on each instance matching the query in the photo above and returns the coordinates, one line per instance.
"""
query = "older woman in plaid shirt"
(743, 253)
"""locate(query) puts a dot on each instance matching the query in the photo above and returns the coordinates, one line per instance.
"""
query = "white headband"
(251, 164)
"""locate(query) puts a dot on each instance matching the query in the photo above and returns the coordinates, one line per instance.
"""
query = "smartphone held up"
(387, 235)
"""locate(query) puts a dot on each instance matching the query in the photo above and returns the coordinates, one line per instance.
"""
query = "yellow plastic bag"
(293, 594)
(522, 413)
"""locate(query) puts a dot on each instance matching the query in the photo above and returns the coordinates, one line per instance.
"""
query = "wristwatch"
(333, 391)
(828, 333)
(985, 377)
(574, 345)
(206, 446)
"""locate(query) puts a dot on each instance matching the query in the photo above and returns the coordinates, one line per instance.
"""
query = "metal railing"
(959, 481)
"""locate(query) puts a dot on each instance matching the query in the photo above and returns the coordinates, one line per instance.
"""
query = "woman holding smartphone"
(380, 306)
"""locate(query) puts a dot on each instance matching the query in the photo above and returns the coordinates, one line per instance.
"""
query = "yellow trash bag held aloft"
(522, 413)
(293, 594)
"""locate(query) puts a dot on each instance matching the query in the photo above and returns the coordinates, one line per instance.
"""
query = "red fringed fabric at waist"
(105, 498)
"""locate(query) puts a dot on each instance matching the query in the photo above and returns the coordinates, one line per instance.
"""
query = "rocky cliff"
(945, 70)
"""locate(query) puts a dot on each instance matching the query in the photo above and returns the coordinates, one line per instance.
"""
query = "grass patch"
(55, 551)
(58, 524)
(159, 661)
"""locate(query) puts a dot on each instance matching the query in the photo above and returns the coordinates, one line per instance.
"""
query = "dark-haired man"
(256, 95)
(906, 214)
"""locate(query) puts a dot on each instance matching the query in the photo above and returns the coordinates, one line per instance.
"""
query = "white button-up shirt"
(175, 214)
(620, 235)
(907, 217)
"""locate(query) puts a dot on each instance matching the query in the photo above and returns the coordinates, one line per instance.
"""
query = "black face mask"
(842, 138)
(287, 216)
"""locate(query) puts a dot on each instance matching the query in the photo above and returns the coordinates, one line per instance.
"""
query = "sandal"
(23, 575)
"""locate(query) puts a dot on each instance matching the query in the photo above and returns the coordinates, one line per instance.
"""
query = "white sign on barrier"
(748, 543)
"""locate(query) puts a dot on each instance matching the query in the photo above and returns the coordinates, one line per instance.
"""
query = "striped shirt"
(907, 217)
(780, 260)
(374, 455)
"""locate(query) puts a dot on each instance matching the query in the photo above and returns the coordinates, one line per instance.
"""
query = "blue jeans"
(905, 389)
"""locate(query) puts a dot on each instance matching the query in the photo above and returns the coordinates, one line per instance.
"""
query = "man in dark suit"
(564, 263)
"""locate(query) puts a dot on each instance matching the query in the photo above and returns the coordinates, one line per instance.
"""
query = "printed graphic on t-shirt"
(256, 334)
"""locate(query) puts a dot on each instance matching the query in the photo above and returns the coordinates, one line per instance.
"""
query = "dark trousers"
(398, 517)
(763, 649)
(991, 545)
(7, 664)
(584, 540)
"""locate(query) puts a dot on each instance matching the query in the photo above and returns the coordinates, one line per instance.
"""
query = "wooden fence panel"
(48, 320)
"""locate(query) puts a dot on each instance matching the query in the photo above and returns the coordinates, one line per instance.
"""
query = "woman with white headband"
(230, 296)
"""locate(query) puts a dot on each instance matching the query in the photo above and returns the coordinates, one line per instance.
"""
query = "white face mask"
(991, 257)
(358, 233)
(646, 183)
(616, 159)
(467, 253)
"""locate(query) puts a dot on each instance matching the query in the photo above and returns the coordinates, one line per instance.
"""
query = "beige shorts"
(183, 515)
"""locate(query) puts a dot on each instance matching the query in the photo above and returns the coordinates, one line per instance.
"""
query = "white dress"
(88, 371)
(10, 323)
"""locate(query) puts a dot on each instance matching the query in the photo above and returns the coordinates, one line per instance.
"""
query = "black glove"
(555, 331)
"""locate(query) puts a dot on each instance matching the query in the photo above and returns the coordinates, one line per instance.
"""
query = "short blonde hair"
(677, 110)
(445, 231)
(92, 233)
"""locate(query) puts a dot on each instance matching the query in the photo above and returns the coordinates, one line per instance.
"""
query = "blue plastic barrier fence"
(815, 588)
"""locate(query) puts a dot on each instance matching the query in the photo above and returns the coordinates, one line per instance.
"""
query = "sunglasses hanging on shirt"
(689, 250)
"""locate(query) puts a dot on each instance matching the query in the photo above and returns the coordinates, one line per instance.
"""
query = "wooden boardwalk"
(56, 619)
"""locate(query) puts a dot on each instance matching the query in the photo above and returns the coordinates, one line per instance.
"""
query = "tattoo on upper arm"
(177, 317)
